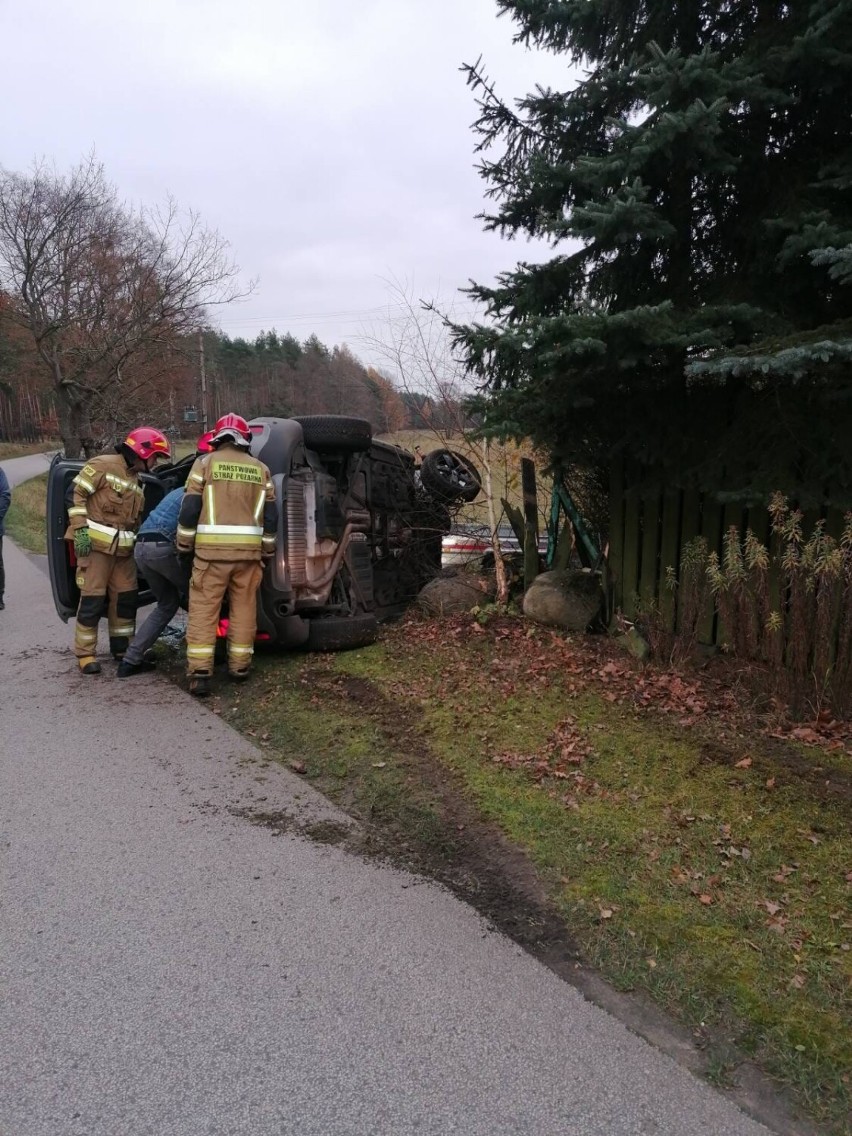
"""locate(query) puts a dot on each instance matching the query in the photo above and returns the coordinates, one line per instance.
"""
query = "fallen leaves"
(578, 663)
(786, 870)
(559, 757)
(777, 923)
(805, 734)
(825, 732)
(744, 763)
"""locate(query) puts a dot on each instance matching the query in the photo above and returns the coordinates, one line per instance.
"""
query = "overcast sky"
(328, 141)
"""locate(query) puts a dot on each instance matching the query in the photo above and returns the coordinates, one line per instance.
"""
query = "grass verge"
(22, 449)
(25, 520)
(707, 866)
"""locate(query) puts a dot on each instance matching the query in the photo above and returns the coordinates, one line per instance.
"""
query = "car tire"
(336, 432)
(450, 477)
(342, 633)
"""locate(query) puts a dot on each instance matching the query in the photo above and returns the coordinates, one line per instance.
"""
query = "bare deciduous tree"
(416, 347)
(106, 292)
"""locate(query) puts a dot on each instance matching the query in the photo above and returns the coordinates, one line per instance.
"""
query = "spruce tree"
(695, 183)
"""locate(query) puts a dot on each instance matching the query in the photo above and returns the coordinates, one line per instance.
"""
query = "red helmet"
(147, 443)
(202, 446)
(233, 428)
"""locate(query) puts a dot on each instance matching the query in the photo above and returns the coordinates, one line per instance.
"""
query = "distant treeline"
(271, 375)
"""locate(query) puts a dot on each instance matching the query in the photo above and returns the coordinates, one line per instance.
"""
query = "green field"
(22, 449)
(26, 516)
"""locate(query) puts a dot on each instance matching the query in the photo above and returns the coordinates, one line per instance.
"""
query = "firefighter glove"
(82, 541)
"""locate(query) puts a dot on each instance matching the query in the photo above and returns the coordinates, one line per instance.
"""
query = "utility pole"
(203, 382)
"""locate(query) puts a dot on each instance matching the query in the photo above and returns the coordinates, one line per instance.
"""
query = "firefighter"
(229, 518)
(108, 502)
(164, 572)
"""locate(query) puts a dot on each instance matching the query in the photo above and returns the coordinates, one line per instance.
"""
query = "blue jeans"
(169, 581)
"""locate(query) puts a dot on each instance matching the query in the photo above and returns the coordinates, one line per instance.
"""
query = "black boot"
(199, 685)
(126, 670)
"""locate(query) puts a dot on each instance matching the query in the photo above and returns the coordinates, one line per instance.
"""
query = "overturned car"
(359, 530)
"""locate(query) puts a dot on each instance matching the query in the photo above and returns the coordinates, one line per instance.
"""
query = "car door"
(61, 561)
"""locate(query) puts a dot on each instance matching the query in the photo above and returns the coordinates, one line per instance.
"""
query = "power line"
(283, 327)
(346, 315)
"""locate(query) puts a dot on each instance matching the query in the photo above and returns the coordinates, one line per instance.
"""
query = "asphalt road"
(169, 968)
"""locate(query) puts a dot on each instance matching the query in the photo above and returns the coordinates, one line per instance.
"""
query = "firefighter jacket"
(229, 510)
(109, 499)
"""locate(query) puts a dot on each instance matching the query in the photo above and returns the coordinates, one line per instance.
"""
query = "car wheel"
(336, 432)
(449, 476)
(342, 633)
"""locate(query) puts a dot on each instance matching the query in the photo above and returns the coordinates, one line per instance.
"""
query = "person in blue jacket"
(5, 502)
(166, 574)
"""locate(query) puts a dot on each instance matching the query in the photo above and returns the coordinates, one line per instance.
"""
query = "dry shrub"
(653, 626)
(788, 609)
(690, 589)
(805, 637)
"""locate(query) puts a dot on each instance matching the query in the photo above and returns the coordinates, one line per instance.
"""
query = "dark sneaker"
(199, 685)
(125, 669)
(2, 606)
(89, 666)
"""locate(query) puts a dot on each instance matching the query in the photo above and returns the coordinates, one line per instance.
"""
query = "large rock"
(564, 598)
(449, 595)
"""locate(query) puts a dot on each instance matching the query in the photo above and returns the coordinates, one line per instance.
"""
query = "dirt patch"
(358, 689)
(321, 832)
(327, 832)
(783, 766)
(277, 822)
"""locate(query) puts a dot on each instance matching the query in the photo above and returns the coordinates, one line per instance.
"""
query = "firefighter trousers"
(107, 586)
(211, 581)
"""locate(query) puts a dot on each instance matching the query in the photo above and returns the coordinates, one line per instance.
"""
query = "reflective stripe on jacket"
(105, 538)
(229, 510)
(109, 499)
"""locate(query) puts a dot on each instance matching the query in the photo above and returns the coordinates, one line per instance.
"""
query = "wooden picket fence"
(650, 527)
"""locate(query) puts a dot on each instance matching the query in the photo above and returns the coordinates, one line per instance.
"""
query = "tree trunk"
(499, 563)
(75, 428)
